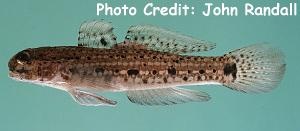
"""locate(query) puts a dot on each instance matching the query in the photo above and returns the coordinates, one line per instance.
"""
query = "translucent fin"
(163, 40)
(166, 96)
(89, 99)
(98, 34)
(260, 68)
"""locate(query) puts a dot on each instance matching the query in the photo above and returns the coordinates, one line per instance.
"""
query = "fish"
(152, 65)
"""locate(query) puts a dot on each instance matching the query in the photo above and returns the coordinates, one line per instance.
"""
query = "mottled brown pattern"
(132, 64)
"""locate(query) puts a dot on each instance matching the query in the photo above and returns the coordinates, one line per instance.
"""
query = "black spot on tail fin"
(230, 69)
(259, 68)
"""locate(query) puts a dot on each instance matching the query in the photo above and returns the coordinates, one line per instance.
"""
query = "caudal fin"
(260, 68)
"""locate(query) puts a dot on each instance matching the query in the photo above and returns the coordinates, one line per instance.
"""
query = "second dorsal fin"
(163, 40)
(98, 34)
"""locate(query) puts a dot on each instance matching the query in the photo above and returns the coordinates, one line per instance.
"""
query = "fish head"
(21, 66)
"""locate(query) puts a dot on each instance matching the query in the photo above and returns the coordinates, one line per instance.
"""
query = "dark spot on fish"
(230, 69)
(72, 70)
(117, 71)
(122, 56)
(68, 58)
(135, 38)
(114, 38)
(181, 58)
(77, 57)
(65, 77)
(103, 42)
(214, 70)
(154, 57)
(189, 71)
(143, 37)
(198, 78)
(185, 78)
(141, 56)
(165, 79)
(172, 71)
(154, 72)
(177, 61)
(88, 58)
(201, 71)
(108, 78)
(132, 72)
(242, 55)
(145, 81)
(99, 70)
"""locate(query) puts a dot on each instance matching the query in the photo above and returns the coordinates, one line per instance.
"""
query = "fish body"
(148, 66)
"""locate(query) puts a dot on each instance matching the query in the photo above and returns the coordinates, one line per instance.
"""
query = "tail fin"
(260, 68)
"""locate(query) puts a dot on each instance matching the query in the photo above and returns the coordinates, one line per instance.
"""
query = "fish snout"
(20, 64)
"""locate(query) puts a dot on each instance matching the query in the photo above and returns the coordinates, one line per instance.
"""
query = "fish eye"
(23, 56)
(22, 70)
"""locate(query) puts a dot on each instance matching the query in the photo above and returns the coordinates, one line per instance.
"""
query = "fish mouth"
(11, 74)
(14, 76)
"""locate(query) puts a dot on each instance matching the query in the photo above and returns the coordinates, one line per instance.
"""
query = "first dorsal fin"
(163, 40)
(97, 34)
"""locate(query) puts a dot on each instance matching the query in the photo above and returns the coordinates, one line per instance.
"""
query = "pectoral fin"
(90, 99)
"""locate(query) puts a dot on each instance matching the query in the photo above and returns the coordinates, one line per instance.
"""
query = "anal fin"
(166, 96)
(90, 99)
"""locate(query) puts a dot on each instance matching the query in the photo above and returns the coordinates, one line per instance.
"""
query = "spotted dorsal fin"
(163, 40)
(97, 34)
